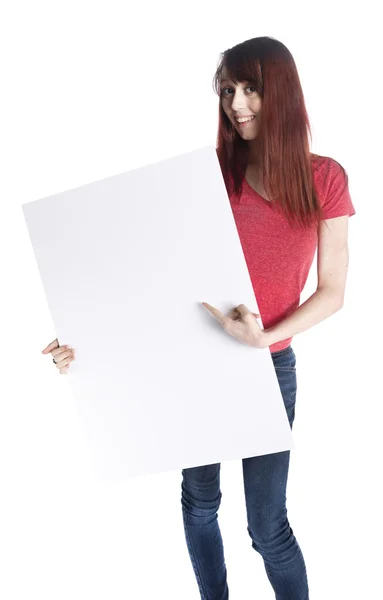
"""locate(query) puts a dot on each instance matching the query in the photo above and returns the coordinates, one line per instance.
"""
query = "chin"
(248, 137)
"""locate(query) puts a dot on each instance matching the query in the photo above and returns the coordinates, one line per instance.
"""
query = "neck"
(254, 156)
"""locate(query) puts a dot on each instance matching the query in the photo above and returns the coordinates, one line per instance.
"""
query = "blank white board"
(125, 263)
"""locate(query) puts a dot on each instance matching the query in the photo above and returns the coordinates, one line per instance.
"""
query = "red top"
(278, 256)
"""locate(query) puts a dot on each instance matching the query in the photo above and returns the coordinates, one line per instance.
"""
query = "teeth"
(244, 119)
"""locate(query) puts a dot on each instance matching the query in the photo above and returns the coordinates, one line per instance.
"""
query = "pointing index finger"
(215, 312)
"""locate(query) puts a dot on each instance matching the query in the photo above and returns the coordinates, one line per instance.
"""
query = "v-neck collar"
(255, 192)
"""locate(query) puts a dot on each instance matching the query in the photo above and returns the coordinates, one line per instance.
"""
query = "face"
(241, 100)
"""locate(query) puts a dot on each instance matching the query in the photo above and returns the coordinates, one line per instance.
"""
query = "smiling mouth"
(244, 123)
(244, 119)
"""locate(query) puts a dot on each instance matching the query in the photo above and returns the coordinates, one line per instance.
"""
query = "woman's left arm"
(328, 298)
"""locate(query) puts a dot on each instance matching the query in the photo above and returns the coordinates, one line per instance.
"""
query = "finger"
(234, 314)
(215, 312)
(60, 350)
(64, 371)
(64, 361)
(244, 312)
(64, 357)
(51, 346)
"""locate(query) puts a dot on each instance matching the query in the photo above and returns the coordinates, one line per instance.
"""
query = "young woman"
(287, 202)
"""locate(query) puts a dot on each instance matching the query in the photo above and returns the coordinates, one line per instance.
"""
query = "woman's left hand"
(241, 324)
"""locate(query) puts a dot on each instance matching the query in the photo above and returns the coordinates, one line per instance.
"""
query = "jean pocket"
(286, 363)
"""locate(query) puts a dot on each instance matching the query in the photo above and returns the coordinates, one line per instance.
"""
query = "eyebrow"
(231, 81)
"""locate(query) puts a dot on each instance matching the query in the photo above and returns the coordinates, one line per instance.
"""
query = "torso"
(279, 256)
(253, 180)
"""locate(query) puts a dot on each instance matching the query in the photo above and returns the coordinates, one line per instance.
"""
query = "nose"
(239, 101)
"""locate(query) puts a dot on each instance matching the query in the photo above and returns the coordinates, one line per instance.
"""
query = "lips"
(248, 120)
(244, 124)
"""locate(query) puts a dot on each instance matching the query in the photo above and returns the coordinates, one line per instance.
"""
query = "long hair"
(284, 130)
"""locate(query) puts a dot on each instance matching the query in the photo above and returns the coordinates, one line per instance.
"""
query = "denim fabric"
(265, 479)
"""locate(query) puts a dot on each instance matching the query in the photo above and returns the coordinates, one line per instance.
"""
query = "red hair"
(284, 131)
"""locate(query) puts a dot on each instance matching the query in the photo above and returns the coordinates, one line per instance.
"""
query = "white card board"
(125, 263)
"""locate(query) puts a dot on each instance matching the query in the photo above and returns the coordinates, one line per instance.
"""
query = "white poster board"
(125, 263)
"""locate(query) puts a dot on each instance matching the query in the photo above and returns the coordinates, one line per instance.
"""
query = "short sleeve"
(337, 201)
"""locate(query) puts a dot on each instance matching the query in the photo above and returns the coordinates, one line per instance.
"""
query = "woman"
(287, 202)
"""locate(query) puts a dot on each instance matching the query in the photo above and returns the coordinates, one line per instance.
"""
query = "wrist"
(267, 338)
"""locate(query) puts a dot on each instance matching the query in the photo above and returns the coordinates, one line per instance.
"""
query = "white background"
(91, 90)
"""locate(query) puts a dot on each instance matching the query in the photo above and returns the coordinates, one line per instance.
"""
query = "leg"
(265, 481)
(201, 498)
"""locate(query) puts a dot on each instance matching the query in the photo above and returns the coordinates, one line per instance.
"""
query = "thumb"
(51, 346)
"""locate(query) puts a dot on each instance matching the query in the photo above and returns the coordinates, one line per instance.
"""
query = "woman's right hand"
(63, 355)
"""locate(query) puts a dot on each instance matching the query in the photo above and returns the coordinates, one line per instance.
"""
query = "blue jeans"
(265, 480)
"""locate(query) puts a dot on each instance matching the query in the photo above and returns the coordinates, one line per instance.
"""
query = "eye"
(225, 91)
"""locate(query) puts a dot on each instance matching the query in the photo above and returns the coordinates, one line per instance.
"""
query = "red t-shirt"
(279, 256)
